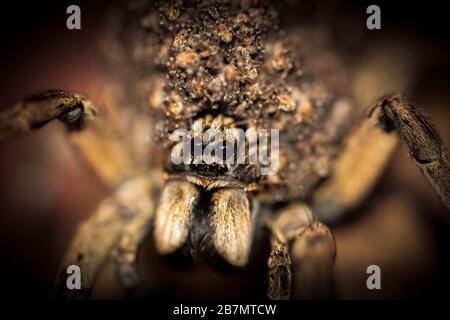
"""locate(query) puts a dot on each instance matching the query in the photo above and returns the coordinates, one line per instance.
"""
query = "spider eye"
(214, 164)
(72, 117)
(209, 170)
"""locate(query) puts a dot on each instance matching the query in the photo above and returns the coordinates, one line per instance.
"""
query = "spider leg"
(368, 150)
(422, 139)
(40, 108)
(312, 252)
(125, 254)
(279, 264)
(280, 276)
(144, 205)
(110, 229)
(313, 256)
(100, 145)
(365, 155)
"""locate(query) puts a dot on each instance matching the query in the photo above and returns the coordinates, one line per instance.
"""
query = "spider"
(227, 65)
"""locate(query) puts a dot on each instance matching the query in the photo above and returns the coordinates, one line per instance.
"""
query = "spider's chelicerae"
(228, 65)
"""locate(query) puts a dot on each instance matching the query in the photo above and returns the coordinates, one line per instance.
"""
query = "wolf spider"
(231, 66)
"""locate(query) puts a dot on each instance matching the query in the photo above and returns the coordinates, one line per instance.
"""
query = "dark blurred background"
(45, 191)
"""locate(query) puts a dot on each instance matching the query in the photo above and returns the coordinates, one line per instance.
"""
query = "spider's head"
(204, 207)
(215, 150)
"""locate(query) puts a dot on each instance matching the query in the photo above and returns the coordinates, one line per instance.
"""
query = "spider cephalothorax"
(224, 66)
(228, 66)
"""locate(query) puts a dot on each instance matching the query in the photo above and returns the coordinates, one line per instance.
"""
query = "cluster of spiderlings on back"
(192, 59)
